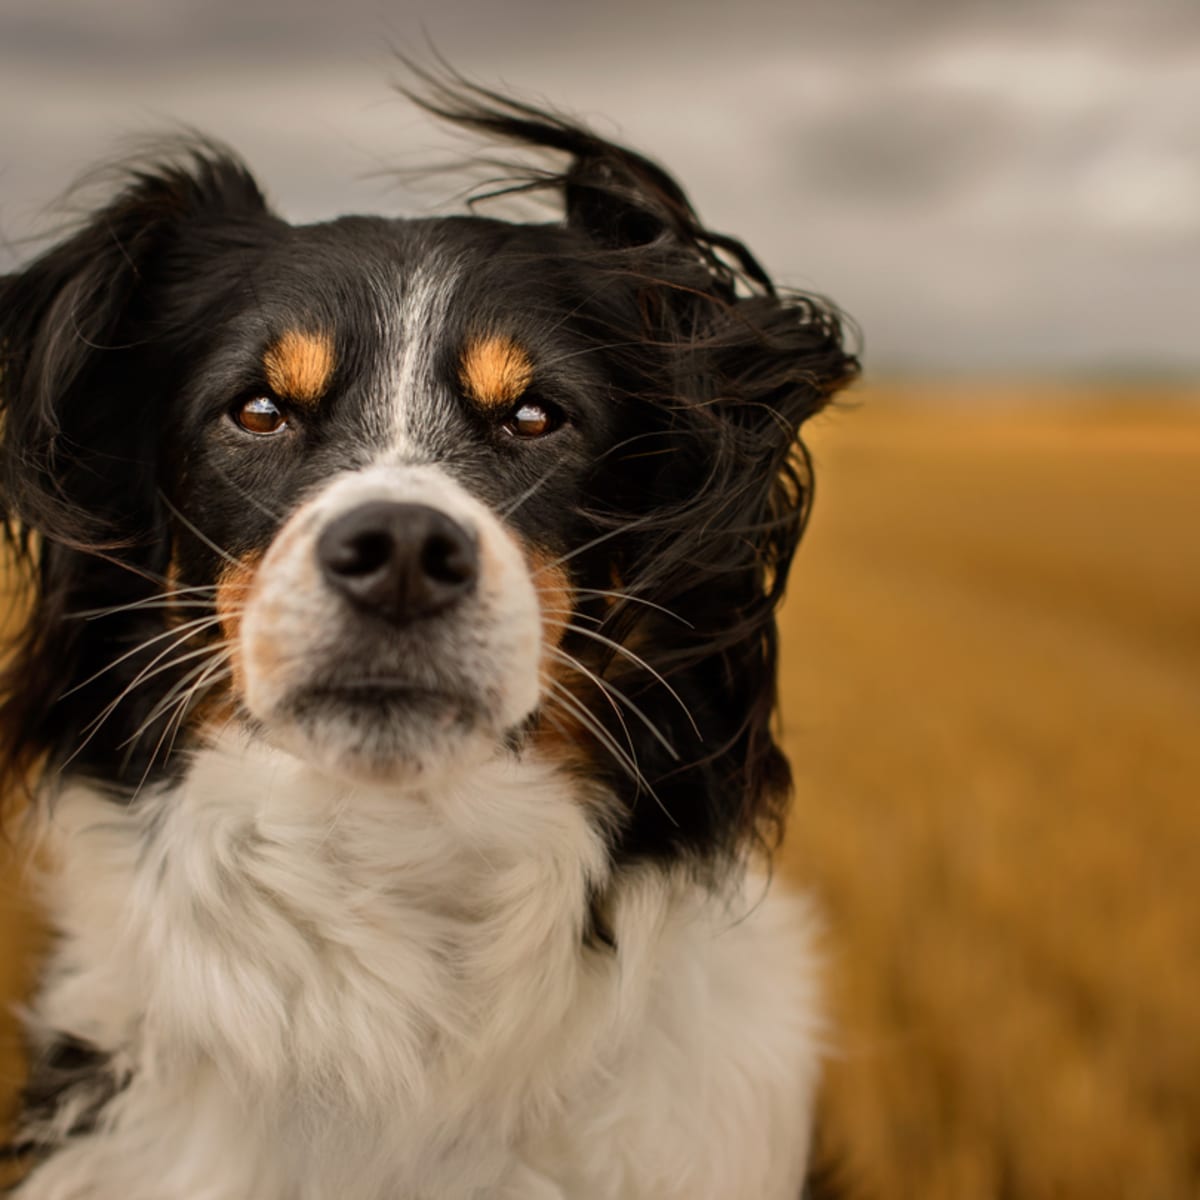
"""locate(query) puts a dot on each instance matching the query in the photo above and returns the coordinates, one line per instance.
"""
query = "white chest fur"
(325, 991)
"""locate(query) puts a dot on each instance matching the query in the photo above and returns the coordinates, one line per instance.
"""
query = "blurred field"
(992, 701)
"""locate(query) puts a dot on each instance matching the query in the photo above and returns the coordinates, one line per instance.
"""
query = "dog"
(398, 689)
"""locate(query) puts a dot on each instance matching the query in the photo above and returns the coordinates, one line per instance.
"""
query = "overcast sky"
(1006, 186)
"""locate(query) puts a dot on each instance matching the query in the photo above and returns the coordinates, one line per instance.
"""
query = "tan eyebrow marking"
(299, 366)
(494, 370)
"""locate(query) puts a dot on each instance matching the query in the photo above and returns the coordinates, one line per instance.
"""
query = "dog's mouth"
(383, 729)
(384, 700)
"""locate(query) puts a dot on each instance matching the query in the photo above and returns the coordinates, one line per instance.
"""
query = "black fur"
(82, 379)
(678, 480)
(66, 1074)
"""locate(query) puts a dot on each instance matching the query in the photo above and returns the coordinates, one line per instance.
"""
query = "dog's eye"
(259, 414)
(530, 420)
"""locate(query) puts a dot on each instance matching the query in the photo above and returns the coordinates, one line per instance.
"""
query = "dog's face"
(385, 446)
(398, 496)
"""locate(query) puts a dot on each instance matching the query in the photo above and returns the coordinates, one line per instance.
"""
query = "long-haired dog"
(399, 681)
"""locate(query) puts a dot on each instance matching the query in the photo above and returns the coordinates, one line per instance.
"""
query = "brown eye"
(531, 420)
(260, 414)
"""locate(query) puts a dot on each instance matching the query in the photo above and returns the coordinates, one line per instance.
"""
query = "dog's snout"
(400, 561)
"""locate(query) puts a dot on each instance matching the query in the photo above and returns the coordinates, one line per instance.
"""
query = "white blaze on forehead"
(418, 408)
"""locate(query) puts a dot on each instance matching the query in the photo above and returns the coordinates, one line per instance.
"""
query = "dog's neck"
(304, 930)
(296, 977)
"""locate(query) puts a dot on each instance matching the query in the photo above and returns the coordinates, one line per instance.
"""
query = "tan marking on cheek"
(560, 739)
(234, 590)
(218, 704)
(299, 366)
(616, 584)
(560, 736)
(495, 371)
(213, 715)
(556, 602)
(267, 653)
(176, 612)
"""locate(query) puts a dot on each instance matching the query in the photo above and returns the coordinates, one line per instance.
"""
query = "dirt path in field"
(992, 701)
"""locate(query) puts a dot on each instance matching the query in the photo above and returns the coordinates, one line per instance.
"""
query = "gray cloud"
(1011, 186)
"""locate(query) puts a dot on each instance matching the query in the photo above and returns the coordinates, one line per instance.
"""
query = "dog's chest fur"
(308, 990)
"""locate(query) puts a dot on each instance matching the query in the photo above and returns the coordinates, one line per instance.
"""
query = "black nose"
(400, 561)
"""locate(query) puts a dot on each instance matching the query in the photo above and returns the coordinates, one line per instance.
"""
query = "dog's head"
(400, 495)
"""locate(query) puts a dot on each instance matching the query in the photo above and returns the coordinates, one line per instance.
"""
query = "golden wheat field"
(991, 697)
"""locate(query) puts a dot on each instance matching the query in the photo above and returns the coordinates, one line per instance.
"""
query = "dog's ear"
(72, 320)
(715, 491)
(79, 374)
(726, 369)
(700, 514)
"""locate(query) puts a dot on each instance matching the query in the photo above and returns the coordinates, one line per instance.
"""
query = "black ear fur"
(66, 317)
(616, 197)
(718, 370)
(78, 489)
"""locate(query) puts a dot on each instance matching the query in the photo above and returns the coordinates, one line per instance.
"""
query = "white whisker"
(589, 722)
(174, 725)
(158, 600)
(184, 687)
(596, 541)
(637, 660)
(614, 693)
(144, 677)
(585, 591)
(508, 511)
(181, 632)
(199, 532)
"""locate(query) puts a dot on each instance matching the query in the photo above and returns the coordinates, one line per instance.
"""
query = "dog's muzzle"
(392, 628)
